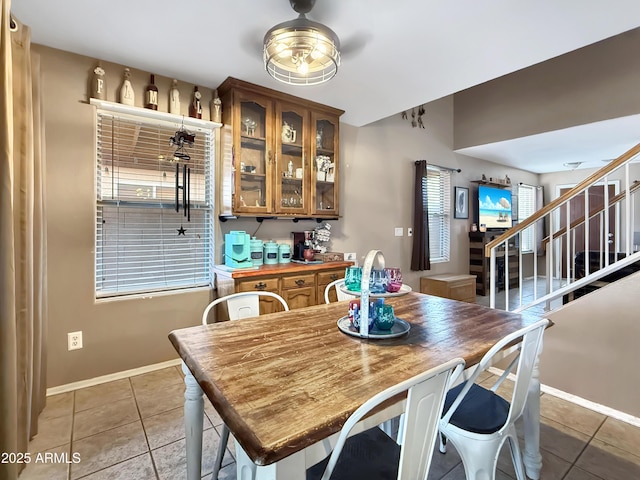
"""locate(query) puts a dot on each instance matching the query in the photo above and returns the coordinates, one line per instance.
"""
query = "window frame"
(526, 208)
(441, 215)
(205, 206)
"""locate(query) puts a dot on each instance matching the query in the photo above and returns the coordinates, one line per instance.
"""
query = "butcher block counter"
(301, 285)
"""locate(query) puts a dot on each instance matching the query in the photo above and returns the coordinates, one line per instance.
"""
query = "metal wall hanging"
(181, 139)
(416, 121)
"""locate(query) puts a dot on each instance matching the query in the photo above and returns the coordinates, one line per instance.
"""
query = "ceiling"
(396, 55)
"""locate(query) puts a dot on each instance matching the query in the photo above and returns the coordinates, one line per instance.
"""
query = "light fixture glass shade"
(301, 52)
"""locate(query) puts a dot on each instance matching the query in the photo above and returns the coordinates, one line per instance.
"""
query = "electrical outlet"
(74, 340)
(350, 257)
(409, 232)
(399, 231)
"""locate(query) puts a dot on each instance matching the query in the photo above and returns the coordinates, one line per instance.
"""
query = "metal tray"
(400, 327)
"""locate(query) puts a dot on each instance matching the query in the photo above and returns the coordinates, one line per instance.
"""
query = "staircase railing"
(611, 227)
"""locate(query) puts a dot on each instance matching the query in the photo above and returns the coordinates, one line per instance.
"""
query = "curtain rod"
(532, 186)
(458, 170)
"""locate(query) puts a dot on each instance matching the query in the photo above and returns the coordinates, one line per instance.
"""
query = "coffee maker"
(298, 246)
(301, 242)
(237, 249)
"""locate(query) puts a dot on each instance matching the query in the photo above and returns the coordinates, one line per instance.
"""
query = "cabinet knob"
(300, 282)
(260, 286)
(334, 276)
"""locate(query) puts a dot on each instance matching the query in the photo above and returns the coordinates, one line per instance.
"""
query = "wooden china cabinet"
(279, 154)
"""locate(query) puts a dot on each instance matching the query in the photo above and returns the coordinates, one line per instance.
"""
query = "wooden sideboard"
(301, 285)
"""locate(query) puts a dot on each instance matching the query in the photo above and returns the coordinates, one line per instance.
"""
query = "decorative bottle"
(216, 108)
(195, 108)
(127, 96)
(151, 94)
(174, 98)
(99, 83)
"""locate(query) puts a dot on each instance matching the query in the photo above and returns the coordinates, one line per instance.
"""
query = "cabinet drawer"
(257, 284)
(325, 278)
(298, 281)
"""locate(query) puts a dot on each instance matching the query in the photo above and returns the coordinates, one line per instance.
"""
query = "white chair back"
(339, 293)
(425, 400)
(243, 305)
(485, 420)
(526, 358)
(239, 305)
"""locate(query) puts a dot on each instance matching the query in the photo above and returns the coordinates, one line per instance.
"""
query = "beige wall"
(118, 335)
(376, 187)
(592, 350)
(595, 83)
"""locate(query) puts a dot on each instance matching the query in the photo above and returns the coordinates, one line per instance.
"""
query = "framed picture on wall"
(461, 202)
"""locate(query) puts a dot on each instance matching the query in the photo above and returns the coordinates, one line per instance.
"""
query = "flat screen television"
(494, 207)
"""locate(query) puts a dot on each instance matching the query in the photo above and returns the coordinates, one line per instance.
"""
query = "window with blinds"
(438, 188)
(142, 243)
(526, 208)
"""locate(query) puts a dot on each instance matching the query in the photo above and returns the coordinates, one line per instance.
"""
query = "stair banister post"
(492, 278)
(587, 265)
(627, 212)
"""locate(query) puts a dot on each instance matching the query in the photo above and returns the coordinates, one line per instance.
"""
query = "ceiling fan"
(301, 51)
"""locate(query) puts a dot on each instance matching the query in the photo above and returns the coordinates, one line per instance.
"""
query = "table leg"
(193, 418)
(531, 455)
(293, 466)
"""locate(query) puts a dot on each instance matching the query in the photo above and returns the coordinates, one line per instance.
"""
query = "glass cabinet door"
(324, 180)
(253, 157)
(292, 174)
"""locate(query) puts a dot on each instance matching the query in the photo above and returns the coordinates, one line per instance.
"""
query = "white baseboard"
(583, 402)
(111, 377)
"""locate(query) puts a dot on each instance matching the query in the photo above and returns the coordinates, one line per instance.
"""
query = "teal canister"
(255, 247)
(284, 253)
(270, 250)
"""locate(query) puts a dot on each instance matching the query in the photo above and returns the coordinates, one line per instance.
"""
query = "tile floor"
(133, 429)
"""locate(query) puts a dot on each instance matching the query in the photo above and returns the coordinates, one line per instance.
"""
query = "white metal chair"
(372, 454)
(240, 305)
(478, 421)
(340, 294)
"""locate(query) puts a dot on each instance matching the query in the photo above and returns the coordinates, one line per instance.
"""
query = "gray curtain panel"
(420, 252)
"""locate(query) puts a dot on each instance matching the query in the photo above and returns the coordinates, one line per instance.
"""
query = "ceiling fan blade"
(251, 43)
(354, 44)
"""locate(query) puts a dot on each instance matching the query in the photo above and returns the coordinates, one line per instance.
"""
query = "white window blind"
(438, 188)
(526, 208)
(140, 246)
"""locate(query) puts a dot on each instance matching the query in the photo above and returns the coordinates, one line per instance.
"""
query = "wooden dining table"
(285, 383)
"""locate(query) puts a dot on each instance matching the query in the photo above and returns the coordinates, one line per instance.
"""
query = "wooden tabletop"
(283, 381)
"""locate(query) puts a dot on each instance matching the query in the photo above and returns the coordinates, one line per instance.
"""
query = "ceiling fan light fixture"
(301, 52)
